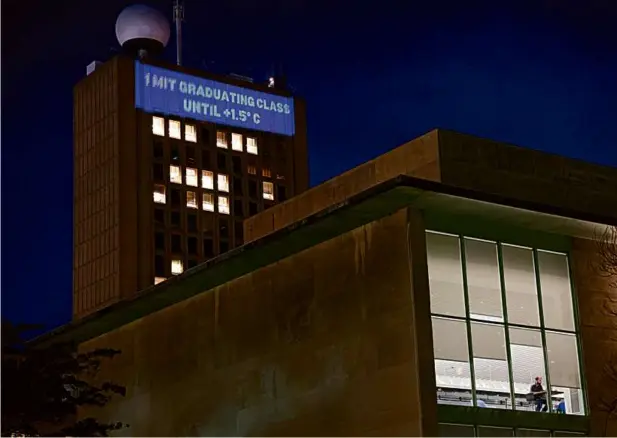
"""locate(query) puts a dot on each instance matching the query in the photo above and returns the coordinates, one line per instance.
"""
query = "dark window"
(223, 246)
(157, 149)
(175, 197)
(239, 231)
(281, 192)
(159, 241)
(175, 218)
(281, 152)
(192, 263)
(190, 155)
(158, 174)
(191, 222)
(175, 153)
(205, 135)
(159, 266)
(252, 208)
(238, 186)
(207, 224)
(221, 161)
(192, 245)
(208, 248)
(238, 210)
(223, 228)
(205, 160)
(176, 243)
(159, 216)
(236, 163)
(252, 188)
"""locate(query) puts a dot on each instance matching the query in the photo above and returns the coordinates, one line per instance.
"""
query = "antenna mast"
(178, 19)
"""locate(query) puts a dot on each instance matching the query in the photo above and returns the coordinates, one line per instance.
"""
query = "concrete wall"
(492, 167)
(105, 194)
(321, 343)
(417, 158)
(598, 319)
(464, 161)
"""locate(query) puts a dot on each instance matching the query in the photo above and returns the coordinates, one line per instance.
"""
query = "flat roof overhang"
(365, 207)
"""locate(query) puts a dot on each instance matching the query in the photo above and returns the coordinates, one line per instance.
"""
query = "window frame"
(252, 149)
(175, 179)
(267, 195)
(190, 133)
(176, 130)
(193, 180)
(195, 204)
(207, 175)
(222, 139)
(155, 121)
(506, 324)
(238, 145)
(208, 202)
(219, 210)
(222, 183)
(479, 417)
(181, 262)
(155, 192)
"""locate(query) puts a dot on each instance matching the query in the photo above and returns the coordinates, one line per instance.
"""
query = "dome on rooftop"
(140, 27)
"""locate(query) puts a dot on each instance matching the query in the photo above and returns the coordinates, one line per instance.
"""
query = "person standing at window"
(539, 395)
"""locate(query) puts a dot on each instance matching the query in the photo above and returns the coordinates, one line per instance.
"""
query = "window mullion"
(472, 373)
(536, 268)
(502, 282)
(579, 348)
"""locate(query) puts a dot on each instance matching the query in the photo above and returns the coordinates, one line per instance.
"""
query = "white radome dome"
(142, 22)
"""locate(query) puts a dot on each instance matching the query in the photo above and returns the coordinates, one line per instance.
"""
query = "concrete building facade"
(419, 294)
(157, 194)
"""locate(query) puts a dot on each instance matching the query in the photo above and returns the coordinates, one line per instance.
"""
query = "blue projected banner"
(169, 92)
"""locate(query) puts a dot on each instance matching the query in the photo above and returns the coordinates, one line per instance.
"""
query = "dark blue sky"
(541, 74)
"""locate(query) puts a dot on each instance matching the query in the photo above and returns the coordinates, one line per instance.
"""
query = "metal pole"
(178, 17)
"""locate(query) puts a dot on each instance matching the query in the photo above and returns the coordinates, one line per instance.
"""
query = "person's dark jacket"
(537, 387)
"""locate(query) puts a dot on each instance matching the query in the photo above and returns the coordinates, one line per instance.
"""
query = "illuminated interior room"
(510, 309)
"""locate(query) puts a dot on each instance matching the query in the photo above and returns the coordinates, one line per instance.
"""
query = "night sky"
(540, 74)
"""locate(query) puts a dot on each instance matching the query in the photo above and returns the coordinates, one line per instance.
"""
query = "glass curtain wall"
(504, 331)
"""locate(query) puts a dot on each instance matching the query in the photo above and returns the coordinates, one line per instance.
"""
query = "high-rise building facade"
(168, 162)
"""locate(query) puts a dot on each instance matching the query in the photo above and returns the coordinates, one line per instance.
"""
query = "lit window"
(175, 176)
(191, 177)
(208, 202)
(487, 293)
(158, 280)
(174, 129)
(266, 173)
(251, 145)
(236, 142)
(268, 190)
(207, 179)
(159, 194)
(191, 200)
(158, 126)
(177, 267)
(190, 133)
(222, 182)
(252, 170)
(221, 139)
(223, 205)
